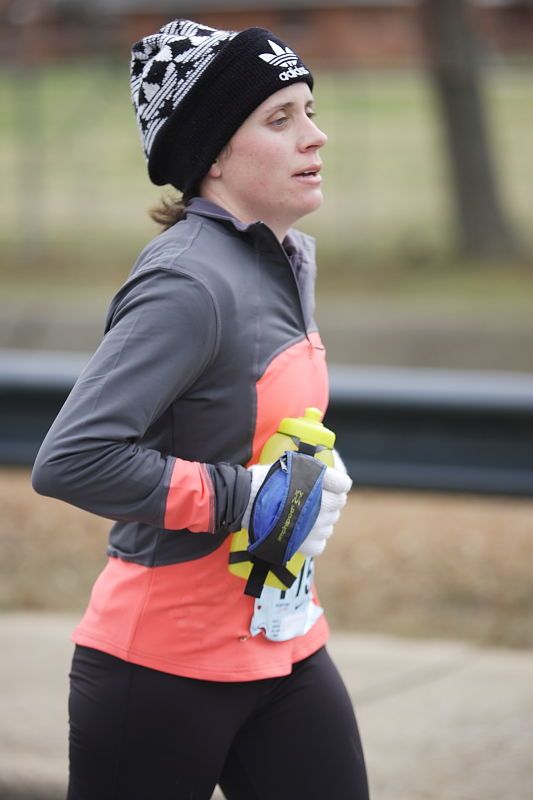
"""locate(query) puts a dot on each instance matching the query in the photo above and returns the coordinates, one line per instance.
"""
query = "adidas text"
(293, 72)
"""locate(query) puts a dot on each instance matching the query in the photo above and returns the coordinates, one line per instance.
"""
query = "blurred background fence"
(399, 84)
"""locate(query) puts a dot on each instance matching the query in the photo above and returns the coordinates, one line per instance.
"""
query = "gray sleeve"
(163, 333)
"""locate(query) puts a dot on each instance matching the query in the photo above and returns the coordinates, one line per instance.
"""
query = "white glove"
(259, 473)
(337, 484)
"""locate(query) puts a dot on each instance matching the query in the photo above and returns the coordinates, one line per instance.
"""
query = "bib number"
(284, 614)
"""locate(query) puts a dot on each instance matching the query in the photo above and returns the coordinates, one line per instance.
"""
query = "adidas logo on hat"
(284, 57)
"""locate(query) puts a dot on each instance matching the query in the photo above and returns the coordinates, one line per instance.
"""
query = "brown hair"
(171, 206)
(171, 209)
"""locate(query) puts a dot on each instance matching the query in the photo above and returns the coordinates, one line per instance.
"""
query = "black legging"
(140, 734)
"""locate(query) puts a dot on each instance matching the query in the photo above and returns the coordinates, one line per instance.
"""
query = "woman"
(175, 685)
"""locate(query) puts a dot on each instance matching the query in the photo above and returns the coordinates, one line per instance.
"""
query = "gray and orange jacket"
(209, 343)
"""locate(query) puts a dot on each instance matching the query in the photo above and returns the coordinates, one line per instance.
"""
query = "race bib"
(283, 615)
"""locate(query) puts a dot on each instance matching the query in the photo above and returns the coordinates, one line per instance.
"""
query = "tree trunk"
(483, 228)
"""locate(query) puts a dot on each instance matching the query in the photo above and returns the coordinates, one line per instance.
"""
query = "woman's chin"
(312, 202)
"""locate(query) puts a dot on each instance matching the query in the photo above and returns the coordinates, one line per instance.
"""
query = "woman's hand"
(337, 484)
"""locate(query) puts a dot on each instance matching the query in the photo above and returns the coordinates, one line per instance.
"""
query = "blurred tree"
(483, 227)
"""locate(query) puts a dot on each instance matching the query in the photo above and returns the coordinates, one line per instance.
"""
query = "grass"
(75, 188)
(423, 565)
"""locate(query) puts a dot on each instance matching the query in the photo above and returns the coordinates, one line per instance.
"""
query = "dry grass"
(406, 563)
(428, 564)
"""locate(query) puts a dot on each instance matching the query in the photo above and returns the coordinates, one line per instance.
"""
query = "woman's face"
(270, 168)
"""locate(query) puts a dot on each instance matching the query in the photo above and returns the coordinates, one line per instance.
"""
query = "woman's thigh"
(302, 744)
(140, 734)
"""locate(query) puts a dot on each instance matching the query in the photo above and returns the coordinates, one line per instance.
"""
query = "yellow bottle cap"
(308, 428)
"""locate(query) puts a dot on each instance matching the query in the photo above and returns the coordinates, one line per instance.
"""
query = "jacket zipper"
(265, 227)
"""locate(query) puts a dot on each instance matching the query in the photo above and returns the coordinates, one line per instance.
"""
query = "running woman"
(180, 681)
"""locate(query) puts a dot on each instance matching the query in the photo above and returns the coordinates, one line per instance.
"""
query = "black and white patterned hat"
(192, 86)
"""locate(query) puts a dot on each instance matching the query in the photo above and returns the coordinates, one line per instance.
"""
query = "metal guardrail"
(406, 428)
(444, 430)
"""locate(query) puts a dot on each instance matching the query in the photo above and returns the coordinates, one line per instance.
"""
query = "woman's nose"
(313, 136)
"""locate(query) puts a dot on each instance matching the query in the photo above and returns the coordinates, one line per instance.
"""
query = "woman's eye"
(279, 121)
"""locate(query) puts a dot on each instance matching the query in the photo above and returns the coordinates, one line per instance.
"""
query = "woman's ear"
(215, 170)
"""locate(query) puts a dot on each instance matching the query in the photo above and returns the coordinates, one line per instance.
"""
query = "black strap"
(257, 578)
(284, 575)
(239, 556)
(306, 448)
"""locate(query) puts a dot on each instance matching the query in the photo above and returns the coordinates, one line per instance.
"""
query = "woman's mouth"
(309, 176)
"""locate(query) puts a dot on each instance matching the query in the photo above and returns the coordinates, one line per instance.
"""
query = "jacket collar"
(205, 208)
(298, 247)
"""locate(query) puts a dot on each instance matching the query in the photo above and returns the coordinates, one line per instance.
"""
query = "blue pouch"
(286, 507)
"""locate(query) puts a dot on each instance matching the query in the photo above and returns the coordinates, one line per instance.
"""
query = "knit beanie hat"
(192, 86)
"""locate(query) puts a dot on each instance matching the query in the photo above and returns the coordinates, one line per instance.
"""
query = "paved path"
(439, 720)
